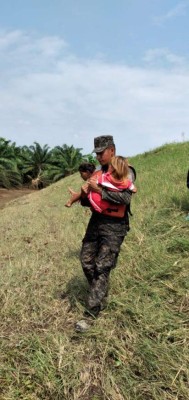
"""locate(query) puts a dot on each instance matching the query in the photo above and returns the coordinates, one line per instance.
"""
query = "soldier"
(105, 232)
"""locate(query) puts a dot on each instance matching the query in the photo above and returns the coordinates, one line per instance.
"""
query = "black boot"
(92, 312)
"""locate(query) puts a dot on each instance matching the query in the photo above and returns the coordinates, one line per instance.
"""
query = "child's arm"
(74, 197)
(94, 186)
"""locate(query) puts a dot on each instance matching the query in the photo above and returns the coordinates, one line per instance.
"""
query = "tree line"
(19, 165)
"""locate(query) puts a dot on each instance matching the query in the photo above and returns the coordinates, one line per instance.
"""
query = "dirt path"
(8, 195)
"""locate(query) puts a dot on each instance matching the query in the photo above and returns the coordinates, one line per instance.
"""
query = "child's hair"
(87, 167)
(120, 167)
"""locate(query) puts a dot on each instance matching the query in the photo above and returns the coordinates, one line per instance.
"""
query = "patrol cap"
(102, 142)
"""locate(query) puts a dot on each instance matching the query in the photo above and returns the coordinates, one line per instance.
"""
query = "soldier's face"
(104, 157)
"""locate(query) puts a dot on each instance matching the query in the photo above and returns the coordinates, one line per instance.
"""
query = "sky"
(71, 70)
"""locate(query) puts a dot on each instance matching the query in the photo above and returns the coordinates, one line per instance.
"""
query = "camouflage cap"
(102, 142)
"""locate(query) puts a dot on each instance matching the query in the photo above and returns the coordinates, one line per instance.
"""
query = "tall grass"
(138, 348)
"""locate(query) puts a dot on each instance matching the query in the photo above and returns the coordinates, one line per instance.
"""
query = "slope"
(138, 347)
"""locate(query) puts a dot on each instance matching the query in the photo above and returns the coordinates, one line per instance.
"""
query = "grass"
(138, 349)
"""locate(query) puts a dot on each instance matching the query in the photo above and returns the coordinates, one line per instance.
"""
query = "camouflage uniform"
(102, 242)
(99, 253)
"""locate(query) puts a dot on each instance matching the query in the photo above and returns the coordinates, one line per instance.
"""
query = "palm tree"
(36, 159)
(9, 171)
(9, 177)
(90, 158)
(66, 160)
(6, 149)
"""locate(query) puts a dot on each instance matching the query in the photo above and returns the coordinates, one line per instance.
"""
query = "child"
(86, 170)
(116, 179)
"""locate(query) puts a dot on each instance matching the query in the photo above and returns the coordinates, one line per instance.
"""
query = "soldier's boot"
(92, 312)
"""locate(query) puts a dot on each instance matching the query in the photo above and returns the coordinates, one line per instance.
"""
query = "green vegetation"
(138, 349)
(19, 165)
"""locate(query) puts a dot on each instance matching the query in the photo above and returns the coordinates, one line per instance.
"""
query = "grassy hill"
(138, 349)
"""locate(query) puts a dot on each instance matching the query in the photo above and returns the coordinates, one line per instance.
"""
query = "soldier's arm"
(123, 197)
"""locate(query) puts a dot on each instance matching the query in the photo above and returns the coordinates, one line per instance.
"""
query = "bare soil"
(11, 194)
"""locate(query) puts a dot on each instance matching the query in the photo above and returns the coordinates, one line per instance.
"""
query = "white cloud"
(164, 57)
(49, 45)
(9, 39)
(179, 10)
(52, 97)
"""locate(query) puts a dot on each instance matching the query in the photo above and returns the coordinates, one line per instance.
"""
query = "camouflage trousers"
(99, 253)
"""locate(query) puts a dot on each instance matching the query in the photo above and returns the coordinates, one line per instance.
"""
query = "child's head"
(119, 167)
(86, 169)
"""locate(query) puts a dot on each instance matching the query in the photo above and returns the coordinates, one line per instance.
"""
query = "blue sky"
(71, 70)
